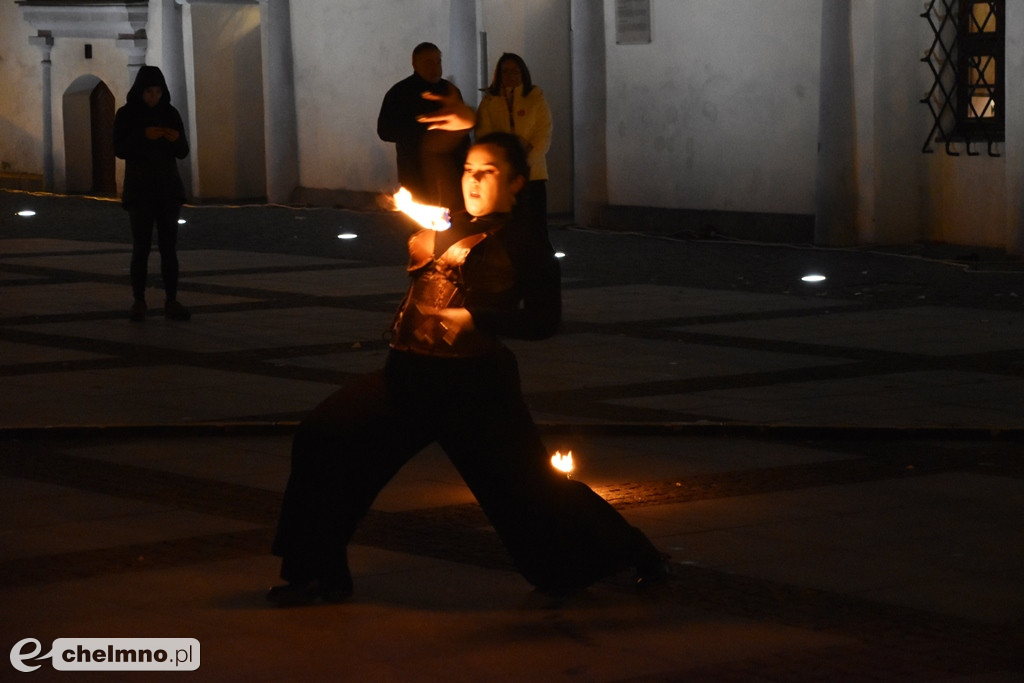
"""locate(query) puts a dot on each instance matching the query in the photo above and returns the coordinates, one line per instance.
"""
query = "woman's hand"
(451, 321)
(454, 321)
(459, 318)
(157, 132)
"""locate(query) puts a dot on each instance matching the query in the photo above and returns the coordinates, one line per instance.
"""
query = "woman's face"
(152, 94)
(488, 184)
(511, 74)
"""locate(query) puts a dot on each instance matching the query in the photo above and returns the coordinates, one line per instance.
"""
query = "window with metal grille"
(966, 58)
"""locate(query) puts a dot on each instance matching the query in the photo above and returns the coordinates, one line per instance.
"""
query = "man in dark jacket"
(429, 160)
(150, 137)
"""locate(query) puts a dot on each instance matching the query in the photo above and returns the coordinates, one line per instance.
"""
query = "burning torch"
(436, 218)
(563, 463)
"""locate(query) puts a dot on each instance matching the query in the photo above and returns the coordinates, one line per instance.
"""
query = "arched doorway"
(101, 109)
(88, 108)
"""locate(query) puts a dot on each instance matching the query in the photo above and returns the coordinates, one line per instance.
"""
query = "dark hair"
(495, 87)
(424, 47)
(515, 154)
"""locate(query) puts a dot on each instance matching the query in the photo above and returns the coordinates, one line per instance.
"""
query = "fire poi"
(562, 463)
(430, 217)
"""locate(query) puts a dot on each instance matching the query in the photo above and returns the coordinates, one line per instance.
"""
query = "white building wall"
(961, 200)
(1014, 148)
(347, 55)
(964, 200)
(929, 197)
(108, 63)
(21, 100)
(900, 121)
(228, 144)
(720, 110)
(538, 31)
(21, 97)
(165, 50)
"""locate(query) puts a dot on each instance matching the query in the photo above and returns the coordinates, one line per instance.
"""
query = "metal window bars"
(964, 94)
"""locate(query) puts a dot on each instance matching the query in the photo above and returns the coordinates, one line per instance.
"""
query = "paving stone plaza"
(835, 468)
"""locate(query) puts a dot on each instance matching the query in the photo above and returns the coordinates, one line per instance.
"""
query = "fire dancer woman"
(449, 379)
(150, 137)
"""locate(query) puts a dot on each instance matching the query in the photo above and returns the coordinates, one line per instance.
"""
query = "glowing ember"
(562, 463)
(430, 217)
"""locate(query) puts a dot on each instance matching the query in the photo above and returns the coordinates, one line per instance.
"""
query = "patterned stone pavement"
(835, 469)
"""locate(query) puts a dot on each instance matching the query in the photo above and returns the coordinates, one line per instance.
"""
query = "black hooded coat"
(151, 168)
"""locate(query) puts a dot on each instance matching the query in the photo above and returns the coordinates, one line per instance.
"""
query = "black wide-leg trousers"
(560, 534)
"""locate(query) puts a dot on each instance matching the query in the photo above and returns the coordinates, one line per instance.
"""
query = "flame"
(562, 463)
(430, 217)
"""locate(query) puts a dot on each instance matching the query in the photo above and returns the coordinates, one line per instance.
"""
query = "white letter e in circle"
(17, 656)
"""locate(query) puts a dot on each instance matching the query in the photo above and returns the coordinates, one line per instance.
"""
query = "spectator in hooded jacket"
(150, 137)
(513, 104)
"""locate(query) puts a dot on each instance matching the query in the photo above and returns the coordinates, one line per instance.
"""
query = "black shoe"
(137, 313)
(655, 571)
(561, 591)
(175, 311)
(302, 593)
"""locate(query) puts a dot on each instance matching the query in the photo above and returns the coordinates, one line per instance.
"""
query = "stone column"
(836, 192)
(280, 129)
(134, 46)
(461, 60)
(589, 112)
(189, 66)
(166, 17)
(1013, 148)
(44, 41)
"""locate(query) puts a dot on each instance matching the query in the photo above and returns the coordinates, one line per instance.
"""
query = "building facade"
(791, 120)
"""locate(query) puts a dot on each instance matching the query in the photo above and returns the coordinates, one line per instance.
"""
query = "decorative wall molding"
(110, 20)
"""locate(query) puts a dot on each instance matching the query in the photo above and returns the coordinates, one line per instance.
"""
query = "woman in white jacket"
(513, 104)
